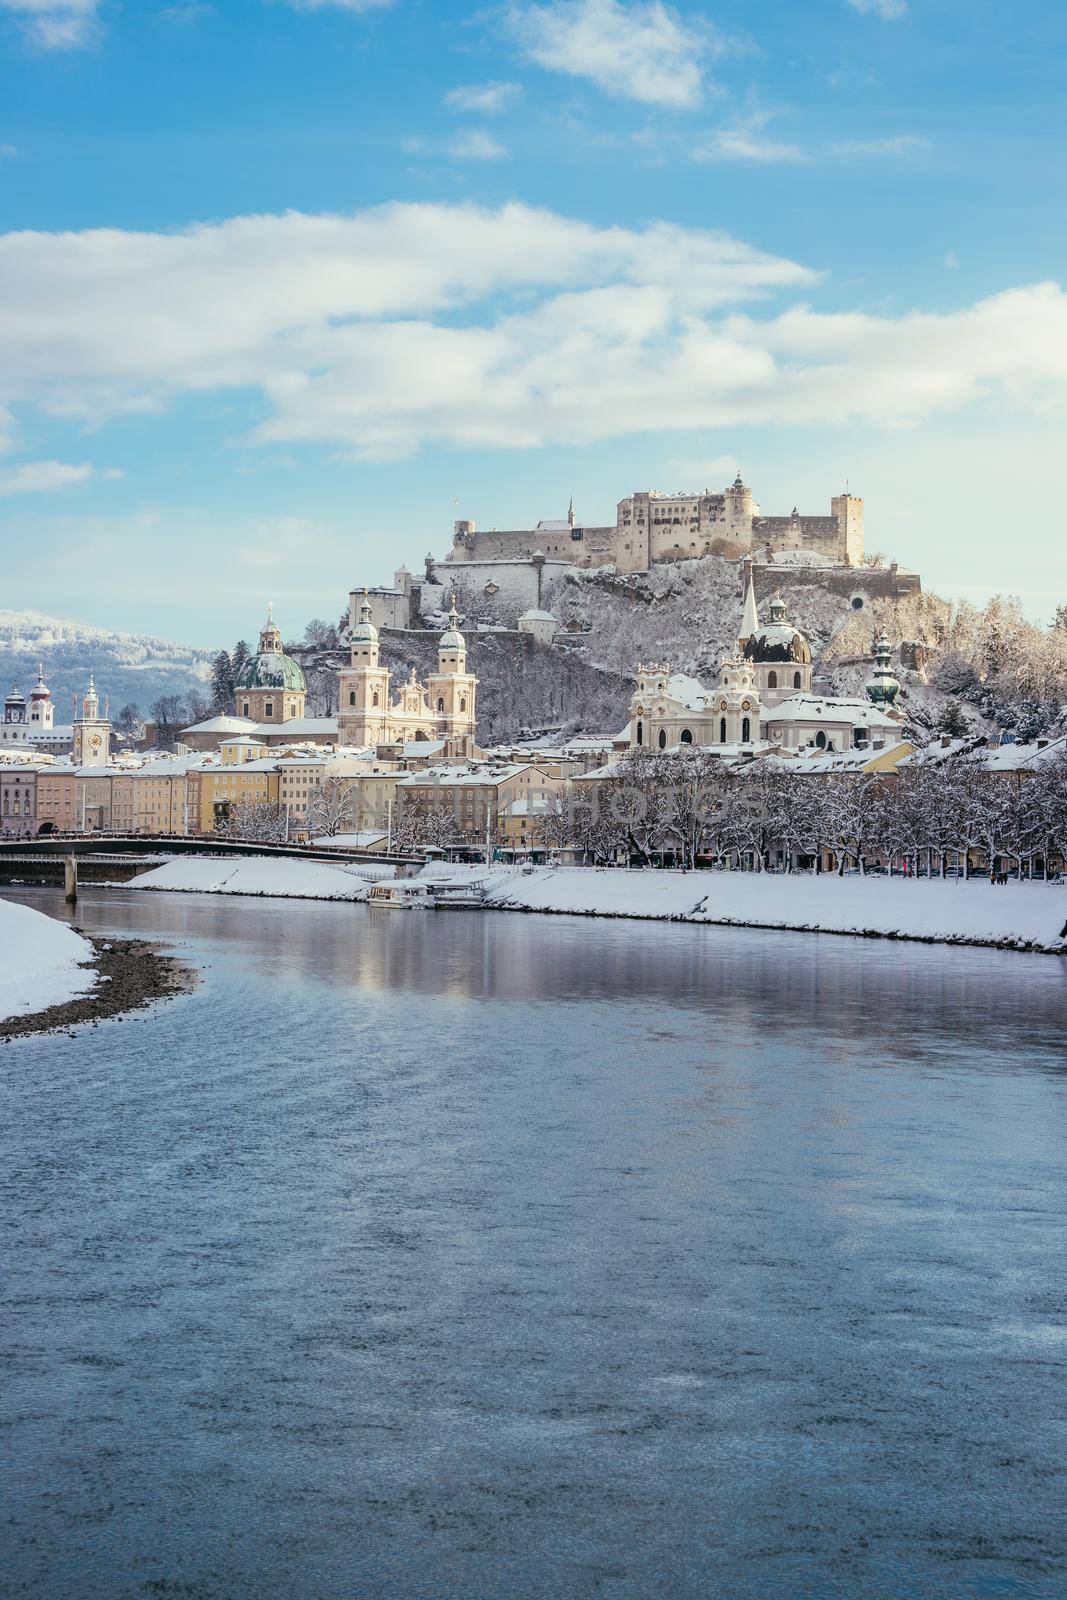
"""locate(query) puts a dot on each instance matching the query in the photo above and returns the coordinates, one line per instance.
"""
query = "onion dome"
(41, 690)
(452, 639)
(270, 667)
(16, 700)
(778, 639)
(882, 687)
(364, 631)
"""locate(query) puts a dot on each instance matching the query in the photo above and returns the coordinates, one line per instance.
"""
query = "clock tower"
(91, 746)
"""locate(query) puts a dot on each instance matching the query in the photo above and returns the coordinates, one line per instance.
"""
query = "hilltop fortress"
(651, 527)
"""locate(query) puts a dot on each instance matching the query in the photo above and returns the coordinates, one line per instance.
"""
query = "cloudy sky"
(286, 286)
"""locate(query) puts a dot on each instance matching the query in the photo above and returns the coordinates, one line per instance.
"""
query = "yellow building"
(215, 790)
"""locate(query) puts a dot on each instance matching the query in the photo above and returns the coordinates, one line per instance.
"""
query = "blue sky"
(284, 288)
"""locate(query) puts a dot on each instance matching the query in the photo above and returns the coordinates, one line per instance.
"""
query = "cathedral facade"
(442, 708)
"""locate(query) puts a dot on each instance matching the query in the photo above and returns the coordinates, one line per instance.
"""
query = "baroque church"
(443, 708)
(764, 698)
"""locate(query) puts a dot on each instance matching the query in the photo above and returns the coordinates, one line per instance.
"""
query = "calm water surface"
(499, 1256)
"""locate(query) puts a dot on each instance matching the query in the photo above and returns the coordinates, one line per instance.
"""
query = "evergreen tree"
(222, 683)
(238, 660)
(953, 722)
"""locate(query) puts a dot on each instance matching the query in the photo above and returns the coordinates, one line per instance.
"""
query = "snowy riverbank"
(281, 876)
(44, 962)
(1015, 915)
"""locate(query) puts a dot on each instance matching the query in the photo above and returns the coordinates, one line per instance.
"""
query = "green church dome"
(270, 667)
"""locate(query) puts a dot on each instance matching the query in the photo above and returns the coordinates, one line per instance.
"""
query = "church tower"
(452, 689)
(363, 710)
(92, 732)
(271, 686)
(736, 703)
(883, 686)
(41, 708)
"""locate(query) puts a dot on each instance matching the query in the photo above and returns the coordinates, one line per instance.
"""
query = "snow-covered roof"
(465, 777)
(1021, 757)
(222, 724)
(854, 760)
(296, 728)
(850, 709)
(533, 615)
(422, 747)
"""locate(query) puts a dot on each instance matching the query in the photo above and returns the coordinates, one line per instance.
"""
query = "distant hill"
(128, 667)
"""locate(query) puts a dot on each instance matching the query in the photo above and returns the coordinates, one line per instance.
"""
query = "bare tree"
(331, 807)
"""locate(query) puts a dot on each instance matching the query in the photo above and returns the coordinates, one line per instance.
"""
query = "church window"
(463, 702)
(722, 730)
(746, 730)
(268, 709)
(820, 739)
(244, 709)
(351, 697)
(440, 703)
(662, 739)
(796, 680)
(640, 733)
(374, 699)
(772, 680)
(686, 736)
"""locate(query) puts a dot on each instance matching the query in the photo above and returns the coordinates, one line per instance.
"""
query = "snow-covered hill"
(128, 667)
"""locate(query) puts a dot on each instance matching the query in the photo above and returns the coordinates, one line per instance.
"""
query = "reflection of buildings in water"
(842, 994)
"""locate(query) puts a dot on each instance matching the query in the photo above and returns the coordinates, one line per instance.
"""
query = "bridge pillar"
(70, 879)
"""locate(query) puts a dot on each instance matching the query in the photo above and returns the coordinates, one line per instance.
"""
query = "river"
(482, 1255)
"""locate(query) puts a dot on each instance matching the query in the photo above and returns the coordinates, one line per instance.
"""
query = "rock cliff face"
(521, 684)
(688, 614)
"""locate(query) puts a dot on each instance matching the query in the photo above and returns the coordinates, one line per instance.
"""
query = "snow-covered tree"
(254, 821)
(331, 807)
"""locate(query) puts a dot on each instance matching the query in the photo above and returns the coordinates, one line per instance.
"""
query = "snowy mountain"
(128, 667)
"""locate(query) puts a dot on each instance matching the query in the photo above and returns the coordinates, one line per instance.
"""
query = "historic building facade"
(651, 527)
(443, 708)
(764, 697)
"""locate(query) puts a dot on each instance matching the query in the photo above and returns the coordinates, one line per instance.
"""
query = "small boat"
(399, 896)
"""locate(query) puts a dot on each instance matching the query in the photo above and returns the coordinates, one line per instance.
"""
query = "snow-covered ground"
(283, 876)
(41, 962)
(1025, 914)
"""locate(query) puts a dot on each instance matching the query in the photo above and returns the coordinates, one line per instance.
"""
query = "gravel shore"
(132, 973)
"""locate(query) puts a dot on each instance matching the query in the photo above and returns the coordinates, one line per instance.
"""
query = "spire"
(365, 606)
(749, 616)
(570, 513)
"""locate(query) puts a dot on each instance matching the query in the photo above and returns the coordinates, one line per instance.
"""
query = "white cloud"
(56, 24)
(900, 144)
(488, 98)
(745, 144)
(41, 477)
(888, 10)
(640, 51)
(475, 145)
(8, 152)
(952, 260)
(376, 333)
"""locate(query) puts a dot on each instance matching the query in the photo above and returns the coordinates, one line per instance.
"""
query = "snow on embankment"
(42, 962)
(284, 876)
(1023, 915)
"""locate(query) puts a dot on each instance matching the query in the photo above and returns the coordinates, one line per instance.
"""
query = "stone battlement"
(651, 528)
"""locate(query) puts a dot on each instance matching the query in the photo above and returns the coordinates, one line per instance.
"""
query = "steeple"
(270, 638)
(570, 513)
(749, 616)
(882, 687)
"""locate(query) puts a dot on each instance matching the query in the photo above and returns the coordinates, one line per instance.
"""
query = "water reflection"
(494, 1255)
